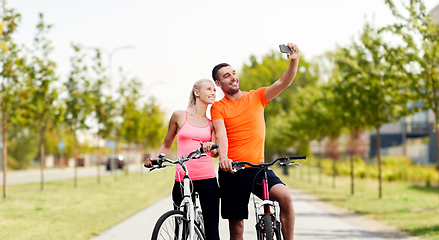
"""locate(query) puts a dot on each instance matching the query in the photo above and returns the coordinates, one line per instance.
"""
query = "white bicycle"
(187, 222)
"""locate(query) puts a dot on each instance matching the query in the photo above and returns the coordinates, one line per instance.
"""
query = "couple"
(238, 127)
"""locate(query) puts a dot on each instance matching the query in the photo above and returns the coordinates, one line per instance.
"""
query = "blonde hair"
(197, 86)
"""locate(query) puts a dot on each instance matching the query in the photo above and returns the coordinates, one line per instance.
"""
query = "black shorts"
(235, 189)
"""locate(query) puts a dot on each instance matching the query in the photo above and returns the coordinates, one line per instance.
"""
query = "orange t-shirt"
(245, 125)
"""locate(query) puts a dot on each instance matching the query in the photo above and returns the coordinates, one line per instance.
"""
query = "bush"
(393, 169)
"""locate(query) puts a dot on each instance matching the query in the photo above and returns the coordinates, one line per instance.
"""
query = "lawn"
(409, 207)
(64, 212)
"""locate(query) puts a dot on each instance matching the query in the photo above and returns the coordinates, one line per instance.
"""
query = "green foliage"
(41, 78)
(103, 105)
(22, 147)
(79, 101)
(131, 128)
(393, 168)
(153, 125)
(277, 113)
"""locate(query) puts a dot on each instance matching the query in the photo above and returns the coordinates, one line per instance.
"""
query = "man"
(239, 124)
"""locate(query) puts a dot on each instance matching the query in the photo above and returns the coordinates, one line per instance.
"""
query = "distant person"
(193, 129)
(239, 124)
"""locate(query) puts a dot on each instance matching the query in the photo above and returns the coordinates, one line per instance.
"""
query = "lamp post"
(110, 56)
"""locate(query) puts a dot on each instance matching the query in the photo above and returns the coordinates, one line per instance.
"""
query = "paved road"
(314, 220)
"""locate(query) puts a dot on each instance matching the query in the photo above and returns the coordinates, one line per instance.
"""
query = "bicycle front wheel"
(174, 225)
(268, 227)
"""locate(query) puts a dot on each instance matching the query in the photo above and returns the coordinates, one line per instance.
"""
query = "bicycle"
(268, 225)
(188, 220)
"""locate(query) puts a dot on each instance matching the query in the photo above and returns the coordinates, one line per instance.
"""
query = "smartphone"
(285, 49)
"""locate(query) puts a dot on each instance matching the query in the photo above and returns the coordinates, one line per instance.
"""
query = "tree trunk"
(98, 159)
(333, 172)
(352, 149)
(42, 159)
(75, 155)
(437, 142)
(351, 156)
(116, 152)
(4, 153)
(320, 162)
(309, 170)
(379, 162)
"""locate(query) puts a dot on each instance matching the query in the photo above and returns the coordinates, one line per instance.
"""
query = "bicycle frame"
(266, 202)
(263, 221)
(188, 203)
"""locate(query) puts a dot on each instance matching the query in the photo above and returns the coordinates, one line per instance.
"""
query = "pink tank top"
(188, 139)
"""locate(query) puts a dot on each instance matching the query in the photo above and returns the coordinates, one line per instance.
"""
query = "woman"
(193, 129)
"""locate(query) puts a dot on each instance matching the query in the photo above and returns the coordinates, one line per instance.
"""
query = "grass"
(411, 208)
(64, 212)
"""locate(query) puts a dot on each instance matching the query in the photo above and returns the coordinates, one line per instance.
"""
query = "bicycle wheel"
(173, 225)
(268, 227)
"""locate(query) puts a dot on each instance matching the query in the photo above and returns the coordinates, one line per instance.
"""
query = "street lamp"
(110, 55)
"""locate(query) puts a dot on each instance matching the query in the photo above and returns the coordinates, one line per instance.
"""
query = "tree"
(153, 120)
(131, 127)
(11, 88)
(348, 92)
(79, 101)
(377, 84)
(103, 105)
(266, 72)
(417, 59)
(41, 105)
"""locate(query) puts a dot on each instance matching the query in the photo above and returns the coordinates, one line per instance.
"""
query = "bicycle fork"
(267, 204)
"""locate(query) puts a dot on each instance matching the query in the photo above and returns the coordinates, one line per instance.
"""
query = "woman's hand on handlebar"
(148, 162)
(206, 146)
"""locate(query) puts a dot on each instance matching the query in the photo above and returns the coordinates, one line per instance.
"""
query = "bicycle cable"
(253, 184)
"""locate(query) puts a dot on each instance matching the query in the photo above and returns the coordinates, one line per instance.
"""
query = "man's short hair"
(217, 68)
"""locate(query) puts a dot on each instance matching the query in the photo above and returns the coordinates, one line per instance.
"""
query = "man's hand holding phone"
(291, 50)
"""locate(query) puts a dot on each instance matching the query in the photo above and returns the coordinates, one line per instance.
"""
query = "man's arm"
(225, 163)
(287, 78)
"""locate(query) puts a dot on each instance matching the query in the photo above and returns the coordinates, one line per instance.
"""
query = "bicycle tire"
(168, 225)
(268, 227)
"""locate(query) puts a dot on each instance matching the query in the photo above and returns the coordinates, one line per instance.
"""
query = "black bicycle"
(268, 225)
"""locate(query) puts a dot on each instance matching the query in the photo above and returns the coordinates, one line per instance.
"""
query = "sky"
(171, 44)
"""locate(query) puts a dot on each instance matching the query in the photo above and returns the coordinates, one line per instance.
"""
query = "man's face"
(228, 80)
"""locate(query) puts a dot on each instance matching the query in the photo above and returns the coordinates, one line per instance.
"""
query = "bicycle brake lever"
(153, 168)
(294, 164)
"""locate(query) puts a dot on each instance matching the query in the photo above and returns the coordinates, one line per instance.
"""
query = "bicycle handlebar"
(198, 153)
(283, 161)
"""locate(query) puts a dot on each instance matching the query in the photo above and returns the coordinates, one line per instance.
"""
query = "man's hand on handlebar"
(225, 164)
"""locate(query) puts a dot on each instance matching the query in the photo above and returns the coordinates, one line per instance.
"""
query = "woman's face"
(207, 92)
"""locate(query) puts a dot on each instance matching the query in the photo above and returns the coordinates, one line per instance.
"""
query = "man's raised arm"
(287, 78)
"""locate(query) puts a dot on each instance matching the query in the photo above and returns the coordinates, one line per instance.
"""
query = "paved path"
(314, 220)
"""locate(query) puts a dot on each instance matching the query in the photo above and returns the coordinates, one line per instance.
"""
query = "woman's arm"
(169, 138)
(214, 152)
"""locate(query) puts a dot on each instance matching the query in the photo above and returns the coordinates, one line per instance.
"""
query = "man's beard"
(231, 91)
